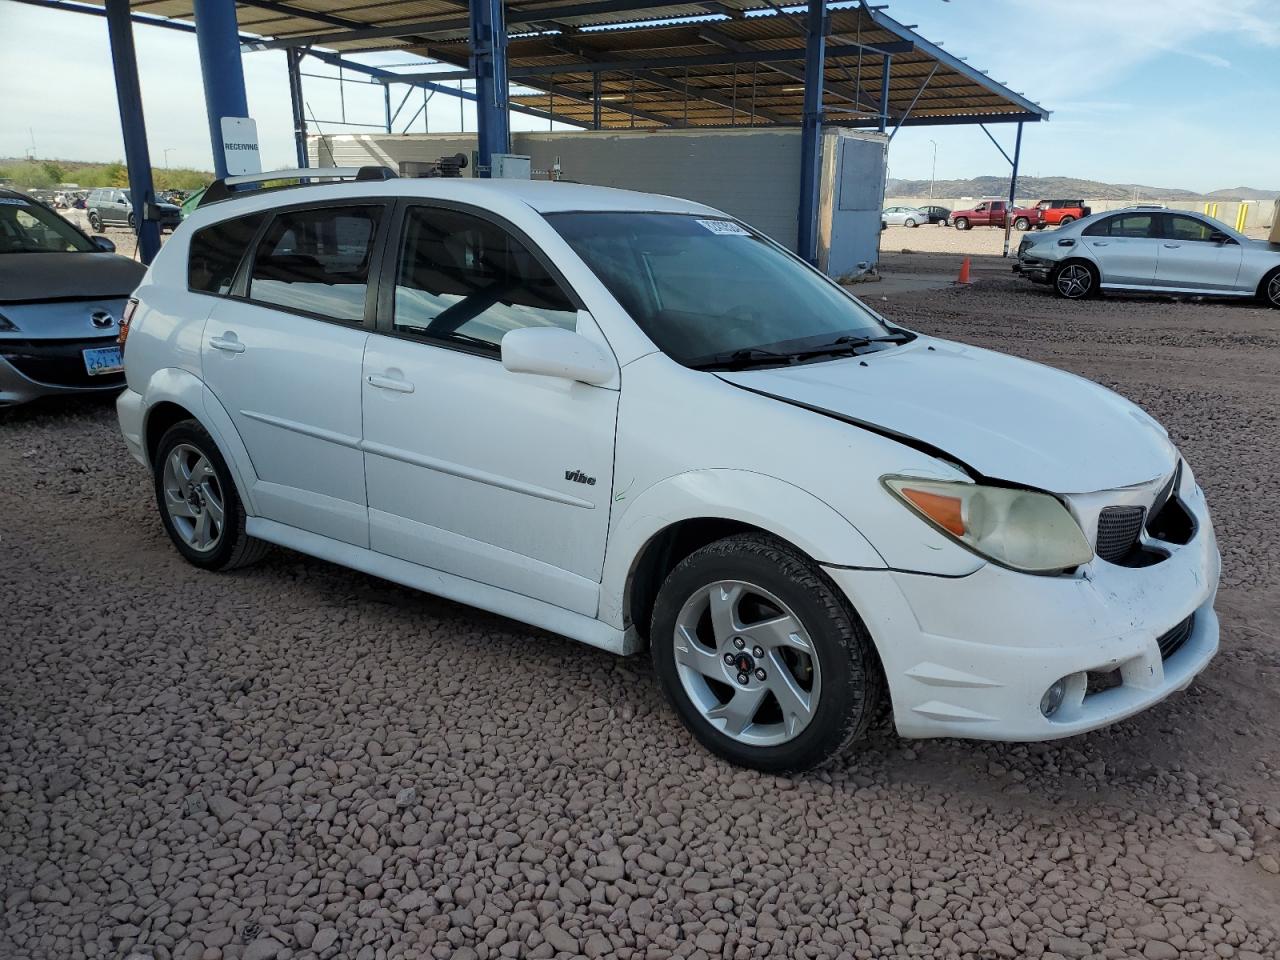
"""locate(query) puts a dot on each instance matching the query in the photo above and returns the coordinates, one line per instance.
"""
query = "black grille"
(1172, 641)
(58, 362)
(1118, 529)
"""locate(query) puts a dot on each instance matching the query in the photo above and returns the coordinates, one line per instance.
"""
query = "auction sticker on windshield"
(100, 360)
(725, 228)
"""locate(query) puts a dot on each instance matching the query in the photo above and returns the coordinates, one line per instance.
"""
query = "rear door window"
(1180, 227)
(1133, 225)
(216, 252)
(317, 261)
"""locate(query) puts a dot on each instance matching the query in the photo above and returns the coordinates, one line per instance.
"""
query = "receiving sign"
(240, 146)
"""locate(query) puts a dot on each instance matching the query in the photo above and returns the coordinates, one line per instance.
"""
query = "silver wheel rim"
(193, 497)
(1273, 290)
(1074, 280)
(747, 664)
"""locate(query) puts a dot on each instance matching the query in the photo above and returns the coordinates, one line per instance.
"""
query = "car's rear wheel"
(132, 225)
(762, 657)
(199, 506)
(1075, 280)
(1022, 223)
(1270, 289)
(1065, 220)
(962, 223)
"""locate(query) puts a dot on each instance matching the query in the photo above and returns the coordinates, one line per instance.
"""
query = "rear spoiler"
(228, 187)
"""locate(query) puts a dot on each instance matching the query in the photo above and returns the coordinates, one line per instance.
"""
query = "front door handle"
(228, 343)
(390, 383)
(1173, 246)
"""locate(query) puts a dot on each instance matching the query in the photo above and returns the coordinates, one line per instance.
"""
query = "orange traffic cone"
(964, 272)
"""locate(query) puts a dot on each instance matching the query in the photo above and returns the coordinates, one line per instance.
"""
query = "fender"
(175, 385)
(781, 508)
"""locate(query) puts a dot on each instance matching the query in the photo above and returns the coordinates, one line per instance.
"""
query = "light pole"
(166, 156)
(933, 173)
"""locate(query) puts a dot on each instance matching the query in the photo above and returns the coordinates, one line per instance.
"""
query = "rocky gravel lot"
(299, 761)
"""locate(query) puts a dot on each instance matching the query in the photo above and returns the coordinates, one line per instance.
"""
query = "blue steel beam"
(489, 63)
(132, 126)
(811, 130)
(1013, 188)
(293, 60)
(218, 38)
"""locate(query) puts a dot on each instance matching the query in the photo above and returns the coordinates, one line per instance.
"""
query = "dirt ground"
(299, 761)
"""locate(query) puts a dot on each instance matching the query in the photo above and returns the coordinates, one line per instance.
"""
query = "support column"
(489, 64)
(293, 59)
(1013, 189)
(218, 37)
(884, 92)
(132, 126)
(811, 131)
(595, 101)
(386, 101)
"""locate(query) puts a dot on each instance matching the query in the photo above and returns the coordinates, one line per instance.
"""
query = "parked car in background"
(1056, 213)
(991, 213)
(903, 217)
(1141, 248)
(938, 215)
(61, 297)
(112, 207)
(798, 507)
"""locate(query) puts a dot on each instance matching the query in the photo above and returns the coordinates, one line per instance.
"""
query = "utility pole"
(167, 151)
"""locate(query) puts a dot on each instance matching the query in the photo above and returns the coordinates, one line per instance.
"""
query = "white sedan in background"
(903, 217)
(1152, 249)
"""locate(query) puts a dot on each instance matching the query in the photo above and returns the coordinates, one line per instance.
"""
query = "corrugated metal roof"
(554, 44)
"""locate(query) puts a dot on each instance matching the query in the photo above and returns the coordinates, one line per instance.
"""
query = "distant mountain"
(1065, 188)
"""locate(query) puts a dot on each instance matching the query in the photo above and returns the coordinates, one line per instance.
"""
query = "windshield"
(706, 288)
(30, 228)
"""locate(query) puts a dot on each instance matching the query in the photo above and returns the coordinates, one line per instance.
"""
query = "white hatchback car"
(633, 420)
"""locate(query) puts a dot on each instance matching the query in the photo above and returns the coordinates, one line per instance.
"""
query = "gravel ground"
(300, 761)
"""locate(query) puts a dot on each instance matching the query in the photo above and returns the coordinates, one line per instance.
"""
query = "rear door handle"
(1173, 246)
(1100, 243)
(229, 344)
(390, 383)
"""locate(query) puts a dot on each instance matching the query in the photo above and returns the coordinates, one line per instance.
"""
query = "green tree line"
(47, 174)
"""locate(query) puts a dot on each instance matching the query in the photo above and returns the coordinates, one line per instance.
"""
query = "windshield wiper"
(850, 345)
(738, 359)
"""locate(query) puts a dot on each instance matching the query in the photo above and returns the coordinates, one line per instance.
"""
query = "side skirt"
(536, 613)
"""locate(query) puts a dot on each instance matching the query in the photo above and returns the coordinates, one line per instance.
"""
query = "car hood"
(56, 276)
(1006, 418)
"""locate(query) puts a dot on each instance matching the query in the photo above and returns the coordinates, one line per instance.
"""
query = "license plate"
(101, 360)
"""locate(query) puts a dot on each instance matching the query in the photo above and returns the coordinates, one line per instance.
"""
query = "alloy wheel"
(747, 663)
(1074, 281)
(193, 497)
(1273, 290)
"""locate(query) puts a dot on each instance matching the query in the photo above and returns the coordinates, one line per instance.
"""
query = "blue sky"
(1178, 93)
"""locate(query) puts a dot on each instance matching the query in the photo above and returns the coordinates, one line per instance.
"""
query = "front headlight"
(1020, 529)
(6, 325)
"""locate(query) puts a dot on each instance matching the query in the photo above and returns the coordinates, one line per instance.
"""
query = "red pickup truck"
(1057, 212)
(991, 213)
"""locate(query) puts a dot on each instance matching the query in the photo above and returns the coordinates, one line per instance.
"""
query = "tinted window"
(216, 253)
(1178, 227)
(30, 228)
(317, 261)
(463, 278)
(1139, 225)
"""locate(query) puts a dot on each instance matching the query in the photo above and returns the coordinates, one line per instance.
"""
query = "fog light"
(1052, 698)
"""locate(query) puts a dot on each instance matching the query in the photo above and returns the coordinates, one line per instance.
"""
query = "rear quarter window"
(216, 252)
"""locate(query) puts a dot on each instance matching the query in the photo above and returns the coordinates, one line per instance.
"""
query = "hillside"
(1065, 187)
(45, 174)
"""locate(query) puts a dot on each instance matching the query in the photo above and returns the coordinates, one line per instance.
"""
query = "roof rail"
(225, 188)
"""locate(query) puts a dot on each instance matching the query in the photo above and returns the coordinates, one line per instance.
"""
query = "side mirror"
(556, 352)
(103, 244)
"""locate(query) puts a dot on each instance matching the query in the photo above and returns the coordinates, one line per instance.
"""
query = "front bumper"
(972, 656)
(33, 369)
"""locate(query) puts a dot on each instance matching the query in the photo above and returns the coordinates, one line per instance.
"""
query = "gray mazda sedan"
(61, 298)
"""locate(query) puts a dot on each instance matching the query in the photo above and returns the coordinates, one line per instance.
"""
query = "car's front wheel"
(199, 506)
(1075, 280)
(762, 657)
(96, 222)
(1270, 289)
(908, 222)
(962, 223)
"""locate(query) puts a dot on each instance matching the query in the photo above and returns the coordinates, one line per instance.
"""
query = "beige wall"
(1259, 214)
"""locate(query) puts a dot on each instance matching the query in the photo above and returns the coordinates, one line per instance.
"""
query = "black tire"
(132, 226)
(962, 223)
(1269, 289)
(234, 548)
(1071, 284)
(852, 683)
(1065, 220)
(909, 222)
(96, 222)
(1022, 223)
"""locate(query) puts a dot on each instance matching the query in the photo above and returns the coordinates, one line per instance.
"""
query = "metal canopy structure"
(603, 64)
